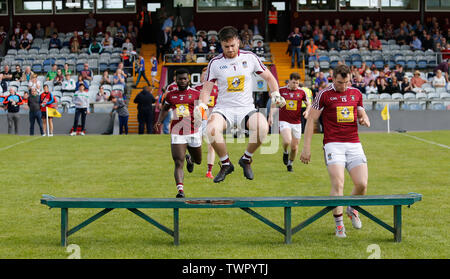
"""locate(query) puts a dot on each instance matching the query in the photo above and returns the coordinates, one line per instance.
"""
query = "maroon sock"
(210, 167)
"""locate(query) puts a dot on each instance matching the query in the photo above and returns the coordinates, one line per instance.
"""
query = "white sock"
(180, 187)
(339, 220)
(248, 154)
(290, 163)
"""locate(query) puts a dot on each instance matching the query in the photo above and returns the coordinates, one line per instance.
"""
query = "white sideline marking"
(17, 143)
(427, 141)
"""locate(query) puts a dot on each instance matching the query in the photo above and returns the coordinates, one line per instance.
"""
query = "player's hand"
(305, 114)
(200, 112)
(305, 156)
(270, 120)
(364, 121)
(157, 126)
(277, 99)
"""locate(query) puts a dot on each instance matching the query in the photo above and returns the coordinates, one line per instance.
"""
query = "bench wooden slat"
(231, 202)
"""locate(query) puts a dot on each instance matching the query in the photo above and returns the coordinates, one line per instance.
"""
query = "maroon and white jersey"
(212, 96)
(339, 113)
(171, 87)
(182, 104)
(234, 78)
(292, 111)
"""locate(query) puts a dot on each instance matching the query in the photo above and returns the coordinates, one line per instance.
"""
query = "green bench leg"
(176, 226)
(287, 225)
(397, 223)
(64, 225)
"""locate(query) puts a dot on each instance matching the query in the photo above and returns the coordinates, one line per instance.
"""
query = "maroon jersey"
(212, 96)
(339, 113)
(292, 111)
(182, 104)
(172, 86)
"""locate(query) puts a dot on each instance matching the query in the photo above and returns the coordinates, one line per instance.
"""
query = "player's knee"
(179, 163)
(361, 187)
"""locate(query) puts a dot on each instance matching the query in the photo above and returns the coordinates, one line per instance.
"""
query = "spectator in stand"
(90, 23)
(66, 69)
(119, 26)
(176, 42)
(374, 43)
(190, 29)
(191, 57)
(342, 43)
(363, 44)
(17, 75)
(399, 74)
(121, 108)
(27, 74)
(68, 84)
(52, 73)
(311, 50)
(86, 73)
(25, 40)
(13, 42)
(107, 42)
(3, 84)
(332, 44)
(34, 114)
(405, 86)
(259, 49)
(246, 43)
(416, 44)
(428, 42)
(359, 84)
(189, 43)
(212, 53)
(75, 43)
(81, 81)
(95, 47)
(55, 42)
(128, 44)
(105, 78)
(111, 29)
(246, 31)
(177, 55)
(439, 80)
(102, 95)
(446, 52)
(393, 87)
(168, 22)
(320, 79)
(100, 29)
(12, 104)
(213, 42)
(86, 40)
(35, 83)
(417, 82)
(315, 69)
(39, 32)
(180, 33)
(163, 42)
(256, 28)
(50, 30)
(321, 43)
(7, 74)
(59, 78)
(119, 38)
(200, 49)
(118, 78)
(352, 43)
(126, 60)
(368, 76)
(381, 84)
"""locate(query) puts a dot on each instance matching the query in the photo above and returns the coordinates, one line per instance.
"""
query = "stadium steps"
(146, 51)
(282, 61)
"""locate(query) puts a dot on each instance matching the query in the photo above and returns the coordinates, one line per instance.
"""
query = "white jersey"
(234, 78)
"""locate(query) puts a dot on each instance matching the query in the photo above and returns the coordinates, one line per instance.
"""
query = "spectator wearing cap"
(95, 47)
(212, 53)
(417, 82)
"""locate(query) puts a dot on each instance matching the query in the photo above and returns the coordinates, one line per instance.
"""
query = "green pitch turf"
(141, 166)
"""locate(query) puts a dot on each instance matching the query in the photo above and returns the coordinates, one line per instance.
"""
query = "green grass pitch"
(141, 166)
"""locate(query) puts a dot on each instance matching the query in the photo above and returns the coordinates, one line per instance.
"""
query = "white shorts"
(193, 140)
(235, 116)
(154, 73)
(296, 129)
(348, 154)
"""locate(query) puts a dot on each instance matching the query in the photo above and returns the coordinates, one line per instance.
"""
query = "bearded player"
(233, 71)
(342, 109)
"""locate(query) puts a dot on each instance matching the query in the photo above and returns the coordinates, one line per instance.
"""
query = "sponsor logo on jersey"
(182, 110)
(291, 105)
(345, 114)
(236, 83)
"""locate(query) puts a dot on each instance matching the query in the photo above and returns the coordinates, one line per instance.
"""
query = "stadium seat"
(397, 96)
(412, 106)
(385, 96)
(373, 96)
(433, 96)
(437, 106)
(409, 96)
(445, 95)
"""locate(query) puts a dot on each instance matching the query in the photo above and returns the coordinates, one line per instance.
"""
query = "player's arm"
(273, 87)
(363, 119)
(308, 107)
(271, 112)
(313, 116)
(162, 115)
(202, 107)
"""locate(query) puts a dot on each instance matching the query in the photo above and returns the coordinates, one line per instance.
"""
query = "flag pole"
(388, 119)
(46, 116)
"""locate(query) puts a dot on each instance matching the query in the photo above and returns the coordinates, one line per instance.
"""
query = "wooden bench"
(244, 203)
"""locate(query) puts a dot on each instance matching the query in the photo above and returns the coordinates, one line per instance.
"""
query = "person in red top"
(46, 100)
(290, 118)
(184, 130)
(342, 109)
(211, 104)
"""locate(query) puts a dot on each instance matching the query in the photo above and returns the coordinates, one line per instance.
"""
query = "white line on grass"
(17, 143)
(427, 141)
